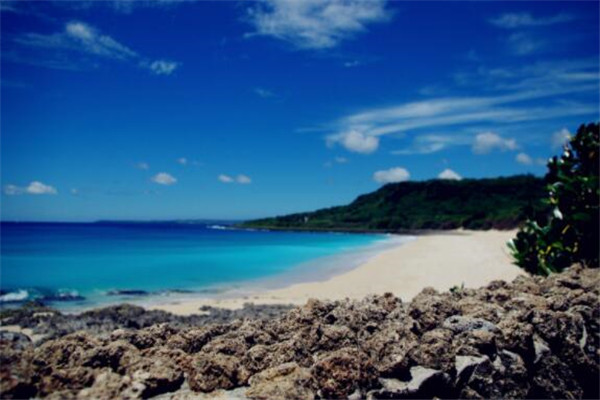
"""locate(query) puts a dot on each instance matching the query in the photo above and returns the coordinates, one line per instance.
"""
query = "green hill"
(499, 203)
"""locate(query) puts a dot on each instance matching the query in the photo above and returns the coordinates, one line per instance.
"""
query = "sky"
(232, 110)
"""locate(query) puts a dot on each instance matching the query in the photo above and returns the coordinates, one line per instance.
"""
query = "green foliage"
(570, 234)
(500, 203)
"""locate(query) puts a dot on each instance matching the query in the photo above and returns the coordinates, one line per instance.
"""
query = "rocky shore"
(532, 338)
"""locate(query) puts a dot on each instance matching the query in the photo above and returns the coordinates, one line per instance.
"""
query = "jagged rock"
(424, 383)
(286, 381)
(231, 346)
(459, 324)
(390, 346)
(140, 339)
(109, 355)
(533, 338)
(215, 371)
(506, 377)
(475, 342)
(464, 366)
(109, 385)
(429, 309)
(340, 373)
(192, 341)
(553, 379)
(434, 351)
(15, 340)
(70, 380)
(541, 349)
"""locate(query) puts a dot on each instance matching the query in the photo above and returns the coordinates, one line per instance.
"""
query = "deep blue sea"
(68, 265)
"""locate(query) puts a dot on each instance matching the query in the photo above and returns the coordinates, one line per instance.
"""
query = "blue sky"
(134, 110)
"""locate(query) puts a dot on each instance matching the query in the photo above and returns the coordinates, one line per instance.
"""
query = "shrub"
(570, 234)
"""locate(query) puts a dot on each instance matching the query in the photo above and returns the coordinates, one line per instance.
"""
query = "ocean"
(80, 265)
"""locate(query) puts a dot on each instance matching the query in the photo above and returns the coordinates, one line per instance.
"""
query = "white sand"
(472, 258)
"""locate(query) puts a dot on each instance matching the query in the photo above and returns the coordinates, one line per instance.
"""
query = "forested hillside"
(435, 204)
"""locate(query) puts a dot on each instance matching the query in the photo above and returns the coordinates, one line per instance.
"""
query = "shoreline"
(440, 260)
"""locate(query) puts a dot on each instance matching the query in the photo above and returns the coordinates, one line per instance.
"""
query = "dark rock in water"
(66, 296)
(533, 338)
(127, 292)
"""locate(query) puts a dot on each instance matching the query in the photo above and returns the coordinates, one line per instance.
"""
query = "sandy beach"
(441, 261)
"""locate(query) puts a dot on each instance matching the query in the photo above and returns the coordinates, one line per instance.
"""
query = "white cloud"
(489, 141)
(243, 179)
(559, 138)
(526, 20)
(351, 64)
(37, 187)
(34, 188)
(75, 192)
(163, 178)
(314, 24)
(79, 37)
(264, 93)
(225, 178)
(162, 67)
(182, 161)
(523, 158)
(391, 175)
(142, 165)
(449, 175)
(355, 141)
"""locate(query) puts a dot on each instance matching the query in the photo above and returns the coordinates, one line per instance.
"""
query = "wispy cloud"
(428, 144)
(34, 188)
(78, 38)
(449, 174)
(391, 175)
(526, 20)
(513, 95)
(162, 67)
(182, 161)
(264, 93)
(336, 160)
(142, 165)
(241, 179)
(163, 178)
(314, 24)
(352, 64)
(523, 43)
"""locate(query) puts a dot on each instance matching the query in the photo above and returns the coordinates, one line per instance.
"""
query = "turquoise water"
(86, 264)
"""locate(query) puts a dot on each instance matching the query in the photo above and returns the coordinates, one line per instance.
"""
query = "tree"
(570, 234)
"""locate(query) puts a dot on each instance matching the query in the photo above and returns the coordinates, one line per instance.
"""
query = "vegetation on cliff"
(569, 234)
(500, 203)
